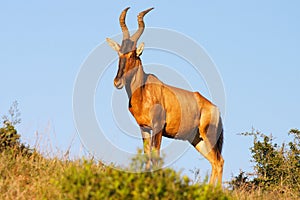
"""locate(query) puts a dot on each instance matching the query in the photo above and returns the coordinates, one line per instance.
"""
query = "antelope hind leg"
(211, 131)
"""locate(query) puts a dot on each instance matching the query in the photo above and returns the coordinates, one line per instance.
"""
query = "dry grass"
(28, 178)
(261, 195)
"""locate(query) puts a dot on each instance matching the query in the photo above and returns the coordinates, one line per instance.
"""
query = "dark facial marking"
(122, 63)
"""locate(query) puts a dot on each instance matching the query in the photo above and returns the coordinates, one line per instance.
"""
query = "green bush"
(10, 141)
(94, 181)
(9, 138)
(276, 167)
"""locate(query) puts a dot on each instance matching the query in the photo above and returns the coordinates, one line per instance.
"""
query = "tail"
(219, 144)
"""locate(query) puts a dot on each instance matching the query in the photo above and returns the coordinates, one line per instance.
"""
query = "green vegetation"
(89, 181)
(26, 174)
(276, 167)
(10, 141)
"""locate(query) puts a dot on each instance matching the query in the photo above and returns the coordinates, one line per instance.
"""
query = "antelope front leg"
(158, 116)
(146, 134)
(155, 147)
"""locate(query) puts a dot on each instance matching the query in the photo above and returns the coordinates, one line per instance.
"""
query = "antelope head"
(127, 51)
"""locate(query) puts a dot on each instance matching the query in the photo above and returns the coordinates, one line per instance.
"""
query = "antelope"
(163, 110)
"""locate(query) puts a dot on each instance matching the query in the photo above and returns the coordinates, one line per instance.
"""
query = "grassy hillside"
(26, 174)
(35, 177)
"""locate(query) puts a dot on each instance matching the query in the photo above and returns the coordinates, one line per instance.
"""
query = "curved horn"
(141, 23)
(123, 25)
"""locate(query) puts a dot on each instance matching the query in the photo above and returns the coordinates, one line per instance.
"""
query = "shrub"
(93, 181)
(9, 138)
(276, 167)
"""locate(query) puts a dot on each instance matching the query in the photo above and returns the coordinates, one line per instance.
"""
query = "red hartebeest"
(165, 110)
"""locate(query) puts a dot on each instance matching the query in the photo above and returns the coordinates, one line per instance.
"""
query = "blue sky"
(255, 46)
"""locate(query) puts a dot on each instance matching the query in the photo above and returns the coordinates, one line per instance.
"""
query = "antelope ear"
(113, 44)
(140, 49)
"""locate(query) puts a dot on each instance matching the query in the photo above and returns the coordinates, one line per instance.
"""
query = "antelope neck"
(137, 80)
